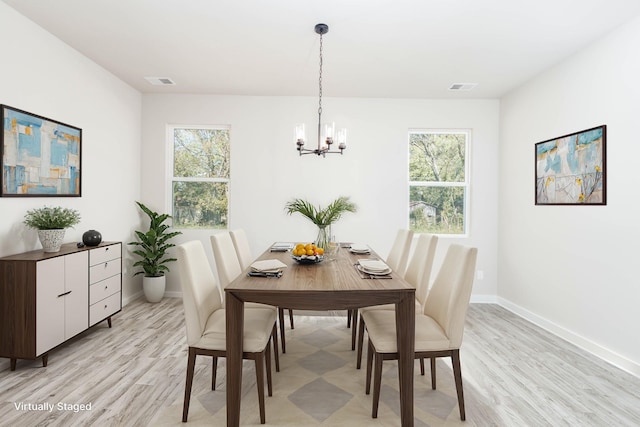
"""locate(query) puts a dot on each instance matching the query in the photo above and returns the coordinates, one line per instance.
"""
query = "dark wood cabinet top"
(39, 254)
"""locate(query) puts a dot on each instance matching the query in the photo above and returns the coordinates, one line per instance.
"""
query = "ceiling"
(374, 48)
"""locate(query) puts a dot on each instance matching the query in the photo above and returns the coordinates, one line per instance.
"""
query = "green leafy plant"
(319, 216)
(51, 218)
(153, 244)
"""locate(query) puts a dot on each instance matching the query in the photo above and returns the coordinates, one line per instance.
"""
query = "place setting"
(359, 249)
(373, 269)
(266, 268)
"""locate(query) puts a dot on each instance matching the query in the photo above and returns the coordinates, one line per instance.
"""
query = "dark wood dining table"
(329, 285)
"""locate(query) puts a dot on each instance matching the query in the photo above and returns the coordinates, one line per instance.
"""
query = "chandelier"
(326, 131)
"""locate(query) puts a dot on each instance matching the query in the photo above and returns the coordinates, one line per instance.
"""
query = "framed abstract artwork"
(41, 157)
(571, 169)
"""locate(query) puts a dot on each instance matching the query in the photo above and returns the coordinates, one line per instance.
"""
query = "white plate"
(373, 265)
(374, 273)
(354, 251)
(359, 247)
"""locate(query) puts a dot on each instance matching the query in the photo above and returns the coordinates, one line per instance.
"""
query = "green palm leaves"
(321, 217)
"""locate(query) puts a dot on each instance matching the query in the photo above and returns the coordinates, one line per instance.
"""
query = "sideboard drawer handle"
(66, 293)
(105, 264)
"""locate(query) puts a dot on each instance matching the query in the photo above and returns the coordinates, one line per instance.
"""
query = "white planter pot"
(51, 239)
(153, 288)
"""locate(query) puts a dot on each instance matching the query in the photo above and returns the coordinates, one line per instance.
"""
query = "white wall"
(574, 268)
(42, 75)
(266, 170)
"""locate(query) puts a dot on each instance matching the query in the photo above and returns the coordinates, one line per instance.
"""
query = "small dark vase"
(92, 238)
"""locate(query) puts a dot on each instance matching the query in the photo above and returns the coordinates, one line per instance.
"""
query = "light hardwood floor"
(515, 374)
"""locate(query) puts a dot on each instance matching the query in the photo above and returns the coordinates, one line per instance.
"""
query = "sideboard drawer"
(103, 309)
(104, 254)
(101, 290)
(104, 270)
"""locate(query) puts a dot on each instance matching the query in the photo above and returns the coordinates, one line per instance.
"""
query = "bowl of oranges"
(307, 253)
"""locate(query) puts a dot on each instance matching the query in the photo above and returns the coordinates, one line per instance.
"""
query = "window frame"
(466, 184)
(170, 129)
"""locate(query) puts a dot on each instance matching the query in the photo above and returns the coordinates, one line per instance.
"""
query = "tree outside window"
(200, 182)
(438, 181)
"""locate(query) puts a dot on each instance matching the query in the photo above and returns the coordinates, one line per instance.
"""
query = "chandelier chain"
(320, 80)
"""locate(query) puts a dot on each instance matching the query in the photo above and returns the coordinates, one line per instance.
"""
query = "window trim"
(466, 184)
(169, 167)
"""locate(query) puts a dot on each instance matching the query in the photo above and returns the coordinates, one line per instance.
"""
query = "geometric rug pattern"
(319, 385)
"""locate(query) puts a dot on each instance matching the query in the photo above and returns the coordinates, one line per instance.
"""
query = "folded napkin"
(268, 265)
(374, 265)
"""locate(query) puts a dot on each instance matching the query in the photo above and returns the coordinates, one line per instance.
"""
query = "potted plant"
(322, 218)
(152, 250)
(51, 223)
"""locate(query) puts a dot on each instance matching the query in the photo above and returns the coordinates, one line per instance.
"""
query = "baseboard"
(128, 299)
(587, 345)
(484, 299)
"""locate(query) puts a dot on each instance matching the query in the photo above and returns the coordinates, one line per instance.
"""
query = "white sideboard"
(48, 298)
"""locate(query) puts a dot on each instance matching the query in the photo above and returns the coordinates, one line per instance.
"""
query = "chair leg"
(291, 317)
(281, 320)
(260, 384)
(360, 342)
(276, 355)
(369, 364)
(214, 371)
(433, 373)
(191, 363)
(457, 374)
(422, 366)
(377, 380)
(354, 323)
(267, 359)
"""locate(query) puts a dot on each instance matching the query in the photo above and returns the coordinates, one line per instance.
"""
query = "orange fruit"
(320, 251)
(310, 252)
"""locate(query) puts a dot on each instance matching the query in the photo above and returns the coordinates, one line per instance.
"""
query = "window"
(200, 178)
(438, 181)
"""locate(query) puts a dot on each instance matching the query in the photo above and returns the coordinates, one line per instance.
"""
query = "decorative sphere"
(92, 238)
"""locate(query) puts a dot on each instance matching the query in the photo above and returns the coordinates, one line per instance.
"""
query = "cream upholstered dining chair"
(243, 251)
(397, 260)
(228, 267)
(439, 328)
(205, 321)
(399, 254)
(227, 262)
(418, 274)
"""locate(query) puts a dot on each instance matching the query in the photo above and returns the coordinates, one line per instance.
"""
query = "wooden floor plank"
(514, 374)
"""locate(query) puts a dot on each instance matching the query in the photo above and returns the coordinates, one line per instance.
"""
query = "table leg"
(235, 331)
(405, 329)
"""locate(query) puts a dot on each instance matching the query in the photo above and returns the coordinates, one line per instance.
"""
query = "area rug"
(319, 385)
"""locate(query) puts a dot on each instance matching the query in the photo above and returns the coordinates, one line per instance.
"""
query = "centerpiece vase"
(324, 236)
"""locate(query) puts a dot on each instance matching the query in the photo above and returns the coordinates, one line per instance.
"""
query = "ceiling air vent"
(462, 86)
(160, 81)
